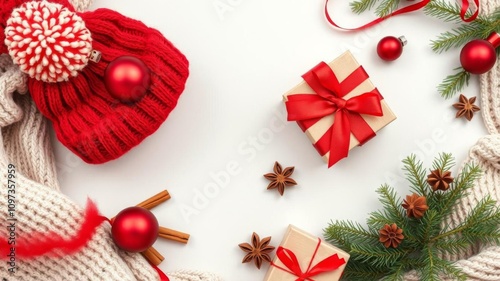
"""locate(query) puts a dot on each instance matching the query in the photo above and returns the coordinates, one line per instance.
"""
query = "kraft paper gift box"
(310, 252)
(354, 91)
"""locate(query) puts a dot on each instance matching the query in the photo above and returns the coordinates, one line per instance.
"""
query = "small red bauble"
(127, 79)
(478, 56)
(135, 229)
(390, 48)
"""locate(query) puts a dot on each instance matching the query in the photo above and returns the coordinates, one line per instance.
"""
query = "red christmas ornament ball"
(127, 78)
(390, 48)
(135, 229)
(478, 56)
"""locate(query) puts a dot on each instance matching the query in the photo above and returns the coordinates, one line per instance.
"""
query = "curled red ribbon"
(407, 9)
(309, 109)
(288, 258)
(465, 7)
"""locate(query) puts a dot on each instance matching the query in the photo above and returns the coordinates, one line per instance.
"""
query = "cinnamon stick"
(153, 256)
(155, 200)
(173, 235)
(152, 202)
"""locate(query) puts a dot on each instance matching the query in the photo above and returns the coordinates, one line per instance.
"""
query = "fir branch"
(454, 83)
(396, 275)
(482, 223)
(444, 162)
(415, 174)
(378, 219)
(347, 233)
(443, 10)
(483, 214)
(450, 271)
(377, 255)
(361, 271)
(360, 6)
(453, 246)
(430, 271)
(454, 38)
(449, 12)
(391, 203)
(430, 224)
(386, 7)
(459, 188)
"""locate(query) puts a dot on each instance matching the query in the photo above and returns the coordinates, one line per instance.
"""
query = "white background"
(241, 61)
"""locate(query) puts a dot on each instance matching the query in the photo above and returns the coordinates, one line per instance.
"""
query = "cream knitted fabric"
(190, 275)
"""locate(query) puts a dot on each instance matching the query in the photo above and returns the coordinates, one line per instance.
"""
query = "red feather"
(51, 244)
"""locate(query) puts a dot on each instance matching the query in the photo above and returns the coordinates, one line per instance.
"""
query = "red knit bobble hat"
(53, 45)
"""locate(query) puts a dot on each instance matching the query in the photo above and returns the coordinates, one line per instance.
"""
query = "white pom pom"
(40, 35)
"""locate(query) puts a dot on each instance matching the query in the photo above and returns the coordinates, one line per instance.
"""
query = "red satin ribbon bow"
(288, 258)
(407, 9)
(329, 100)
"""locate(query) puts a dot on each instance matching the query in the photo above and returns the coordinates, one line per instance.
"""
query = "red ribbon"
(308, 109)
(162, 275)
(288, 258)
(465, 7)
(404, 10)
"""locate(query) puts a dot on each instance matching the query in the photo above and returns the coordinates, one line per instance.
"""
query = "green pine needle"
(443, 10)
(386, 7)
(415, 174)
(377, 256)
(362, 271)
(459, 188)
(444, 162)
(455, 38)
(454, 83)
(388, 198)
(451, 271)
(360, 6)
(396, 275)
(425, 239)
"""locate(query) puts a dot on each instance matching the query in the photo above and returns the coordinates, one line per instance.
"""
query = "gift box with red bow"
(302, 256)
(338, 107)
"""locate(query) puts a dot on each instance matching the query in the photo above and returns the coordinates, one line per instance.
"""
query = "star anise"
(466, 107)
(259, 250)
(439, 179)
(280, 178)
(391, 235)
(415, 206)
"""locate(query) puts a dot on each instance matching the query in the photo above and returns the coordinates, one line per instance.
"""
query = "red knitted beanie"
(86, 117)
